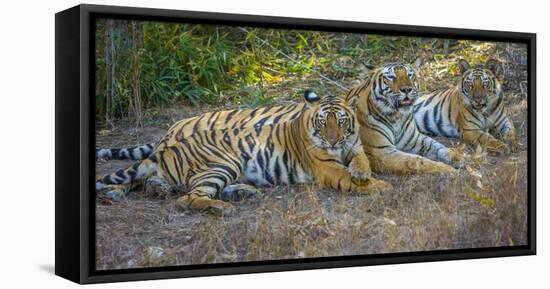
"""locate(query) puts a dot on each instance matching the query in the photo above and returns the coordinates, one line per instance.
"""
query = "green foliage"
(142, 65)
(255, 98)
(176, 62)
(481, 199)
(152, 64)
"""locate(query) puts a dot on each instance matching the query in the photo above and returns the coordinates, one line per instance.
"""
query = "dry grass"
(484, 206)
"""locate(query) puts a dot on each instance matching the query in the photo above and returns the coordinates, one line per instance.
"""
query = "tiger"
(388, 131)
(473, 110)
(317, 142)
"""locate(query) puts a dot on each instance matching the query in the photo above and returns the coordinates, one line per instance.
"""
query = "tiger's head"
(478, 85)
(331, 121)
(395, 87)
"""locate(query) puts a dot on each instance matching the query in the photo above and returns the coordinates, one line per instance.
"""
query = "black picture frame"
(75, 140)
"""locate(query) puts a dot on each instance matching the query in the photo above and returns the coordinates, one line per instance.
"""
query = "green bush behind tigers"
(142, 65)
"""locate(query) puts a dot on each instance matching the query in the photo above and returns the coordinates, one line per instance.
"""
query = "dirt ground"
(483, 206)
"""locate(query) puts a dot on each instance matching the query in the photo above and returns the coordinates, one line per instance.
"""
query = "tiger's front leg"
(359, 166)
(487, 141)
(393, 161)
(338, 177)
(385, 157)
(436, 151)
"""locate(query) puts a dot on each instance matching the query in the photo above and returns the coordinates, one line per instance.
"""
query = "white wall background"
(27, 143)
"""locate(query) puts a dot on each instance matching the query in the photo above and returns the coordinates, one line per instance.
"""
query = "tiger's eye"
(342, 121)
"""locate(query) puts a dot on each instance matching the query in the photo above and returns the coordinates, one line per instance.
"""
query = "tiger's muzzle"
(407, 96)
(479, 105)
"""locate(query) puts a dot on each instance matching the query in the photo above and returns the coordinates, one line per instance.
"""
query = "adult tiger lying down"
(318, 141)
(472, 110)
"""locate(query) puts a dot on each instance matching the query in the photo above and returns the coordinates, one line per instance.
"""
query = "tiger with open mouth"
(388, 130)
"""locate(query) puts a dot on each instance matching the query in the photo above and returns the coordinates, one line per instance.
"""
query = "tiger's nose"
(406, 90)
(332, 137)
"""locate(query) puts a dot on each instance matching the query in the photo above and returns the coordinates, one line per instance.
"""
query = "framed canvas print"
(195, 144)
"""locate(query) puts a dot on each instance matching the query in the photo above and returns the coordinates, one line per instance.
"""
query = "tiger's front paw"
(359, 168)
(373, 186)
(498, 147)
(457, 159)
(421, 165)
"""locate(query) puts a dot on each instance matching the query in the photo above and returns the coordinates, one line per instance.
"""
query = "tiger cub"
(388, 131)
(318, 142)
(473, 110)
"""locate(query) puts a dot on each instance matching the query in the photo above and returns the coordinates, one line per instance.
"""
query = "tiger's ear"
(311, 97)
(353, 101)
(463, 65)
(492, 65)
(368, 66)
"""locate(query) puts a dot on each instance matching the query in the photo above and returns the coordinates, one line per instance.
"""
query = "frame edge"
(67, 145)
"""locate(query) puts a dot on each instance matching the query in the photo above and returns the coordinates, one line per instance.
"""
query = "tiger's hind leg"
(116, 192)
(153, 186)
(204, 187)
(156, 186)
(115, 186)
(199, 200)
(238, 192)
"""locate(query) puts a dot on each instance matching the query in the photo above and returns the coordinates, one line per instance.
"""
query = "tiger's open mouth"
(478, 106)
(406, 102)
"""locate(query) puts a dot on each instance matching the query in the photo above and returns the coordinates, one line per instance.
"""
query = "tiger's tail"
(132, 153)
(135, 172)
